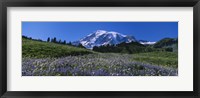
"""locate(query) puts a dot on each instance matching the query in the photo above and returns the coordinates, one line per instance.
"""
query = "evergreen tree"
(54, 40)
(81, 46)
(23, 36)
(64, 42)
(95, 48)
(48, 39)
(70, 43)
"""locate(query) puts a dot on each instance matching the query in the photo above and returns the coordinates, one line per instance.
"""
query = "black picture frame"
(99, 3)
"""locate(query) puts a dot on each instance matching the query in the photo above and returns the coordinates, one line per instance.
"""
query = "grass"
(51, 59)
(166, 59)
(37, 49)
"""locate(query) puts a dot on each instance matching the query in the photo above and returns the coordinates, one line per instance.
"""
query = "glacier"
(103, 37)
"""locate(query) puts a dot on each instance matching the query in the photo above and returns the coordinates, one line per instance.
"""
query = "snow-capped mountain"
(102, 37)
(144, 42)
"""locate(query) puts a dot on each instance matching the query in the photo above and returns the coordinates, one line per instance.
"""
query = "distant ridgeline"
(166, 44)
(170, 44)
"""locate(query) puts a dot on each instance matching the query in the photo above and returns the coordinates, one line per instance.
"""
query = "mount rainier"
(102, 37)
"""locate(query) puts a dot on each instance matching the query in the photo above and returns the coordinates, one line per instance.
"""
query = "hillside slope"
(39, 49)
(168, 43)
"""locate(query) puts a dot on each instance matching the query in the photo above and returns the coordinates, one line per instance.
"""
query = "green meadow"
(40, 58)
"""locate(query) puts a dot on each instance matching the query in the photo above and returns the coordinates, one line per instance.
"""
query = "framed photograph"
(76, 48)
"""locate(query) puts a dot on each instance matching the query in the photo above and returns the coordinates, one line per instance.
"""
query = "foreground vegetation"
(52, 59)
(106, 64)
(165, 59)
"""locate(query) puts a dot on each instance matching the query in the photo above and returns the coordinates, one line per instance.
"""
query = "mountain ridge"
(103, 37)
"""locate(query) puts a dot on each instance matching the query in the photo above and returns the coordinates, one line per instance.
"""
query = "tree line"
(55, 40)
(133, 47)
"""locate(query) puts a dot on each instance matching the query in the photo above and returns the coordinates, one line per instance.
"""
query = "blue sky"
(72, 31)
